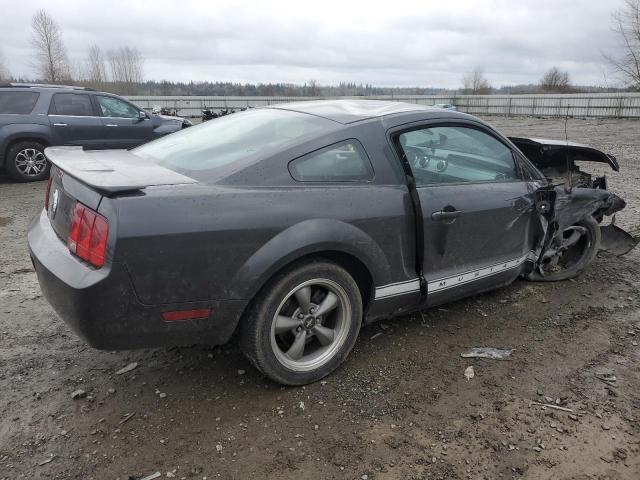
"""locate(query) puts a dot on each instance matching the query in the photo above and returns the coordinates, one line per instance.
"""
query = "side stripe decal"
(395, 289)
(411, 286)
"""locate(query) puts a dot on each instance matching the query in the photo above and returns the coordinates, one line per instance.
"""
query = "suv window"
(341, 162)
(456, 154)
(114, 107)
(71, 104)
(19, 103)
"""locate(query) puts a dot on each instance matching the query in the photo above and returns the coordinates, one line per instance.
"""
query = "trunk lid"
(112, 171)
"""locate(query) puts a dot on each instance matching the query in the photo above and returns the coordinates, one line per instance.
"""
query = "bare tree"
(555, 80)
(475, 83)
(96, 71)
(51, 55)
(126, 65)
(627, 26)
(311, 88)
(4, 71)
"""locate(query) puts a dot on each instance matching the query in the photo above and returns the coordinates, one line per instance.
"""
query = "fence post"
(620, 106)
(533, 107)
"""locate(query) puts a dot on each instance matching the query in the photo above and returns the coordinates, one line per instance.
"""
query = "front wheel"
(303, 324)
(577, 248)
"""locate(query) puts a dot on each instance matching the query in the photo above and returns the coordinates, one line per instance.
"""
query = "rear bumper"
(101, 307)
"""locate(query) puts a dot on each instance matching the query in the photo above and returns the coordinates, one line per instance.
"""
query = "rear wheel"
(26, 162)
(577, 249)
(303, 324)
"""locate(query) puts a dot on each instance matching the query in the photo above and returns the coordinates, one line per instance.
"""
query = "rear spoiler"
(112, 171)
(548, 153)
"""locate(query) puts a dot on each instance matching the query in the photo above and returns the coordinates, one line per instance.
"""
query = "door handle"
(447, 216)
(59, 124)
(111, 125)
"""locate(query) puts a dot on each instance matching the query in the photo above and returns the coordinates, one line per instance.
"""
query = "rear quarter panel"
(224, 243)
(16, 127)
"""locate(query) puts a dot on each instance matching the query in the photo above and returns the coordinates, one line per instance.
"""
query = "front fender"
(304, 238)
(167, 127)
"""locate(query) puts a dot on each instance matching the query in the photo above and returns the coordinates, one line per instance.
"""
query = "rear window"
(18, 103)
(232, 142)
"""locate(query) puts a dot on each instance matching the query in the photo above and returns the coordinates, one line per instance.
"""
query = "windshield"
(231, 141)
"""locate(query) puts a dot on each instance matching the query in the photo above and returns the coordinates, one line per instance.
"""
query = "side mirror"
(142, 115)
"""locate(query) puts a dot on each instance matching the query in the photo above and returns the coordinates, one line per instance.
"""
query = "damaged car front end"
(571, 209)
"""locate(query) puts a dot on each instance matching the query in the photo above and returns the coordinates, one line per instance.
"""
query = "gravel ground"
(400, 408)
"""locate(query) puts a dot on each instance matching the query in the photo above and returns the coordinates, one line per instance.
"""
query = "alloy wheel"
(572, 248)
(30, 162)
(311, 324)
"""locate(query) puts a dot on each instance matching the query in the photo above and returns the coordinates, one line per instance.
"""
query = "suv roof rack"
(44, 85)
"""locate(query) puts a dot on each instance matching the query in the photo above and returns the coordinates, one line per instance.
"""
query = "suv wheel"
(303, 324)
(26, 162)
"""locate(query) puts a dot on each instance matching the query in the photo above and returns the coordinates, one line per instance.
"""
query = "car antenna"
(566, 152)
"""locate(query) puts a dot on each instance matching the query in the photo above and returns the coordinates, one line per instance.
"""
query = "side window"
(440, 155)
(71, 104)
(114, 107)
(18, 103)
(341, 162)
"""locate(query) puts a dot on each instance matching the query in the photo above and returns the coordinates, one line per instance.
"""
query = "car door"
(74, 121)
(123, 126)
(477, 209)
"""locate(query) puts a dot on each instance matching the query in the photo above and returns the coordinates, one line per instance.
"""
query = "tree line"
(121, 70)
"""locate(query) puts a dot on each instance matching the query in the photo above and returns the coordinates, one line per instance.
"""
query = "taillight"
(88, 235)
(46, 195)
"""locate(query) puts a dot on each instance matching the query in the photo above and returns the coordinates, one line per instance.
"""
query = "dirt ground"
(400, 408)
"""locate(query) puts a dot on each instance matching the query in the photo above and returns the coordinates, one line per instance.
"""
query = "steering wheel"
(417, 157)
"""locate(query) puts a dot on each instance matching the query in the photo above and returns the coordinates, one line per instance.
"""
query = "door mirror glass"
(143, 115)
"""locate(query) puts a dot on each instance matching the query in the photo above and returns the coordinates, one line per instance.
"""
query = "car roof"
(43, 86)
(350, 111)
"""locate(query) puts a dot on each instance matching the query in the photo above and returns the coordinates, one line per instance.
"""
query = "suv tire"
(25, 162)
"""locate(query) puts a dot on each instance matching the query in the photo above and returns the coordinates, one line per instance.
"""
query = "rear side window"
(71, 104)
(341, 162)
(18, 103)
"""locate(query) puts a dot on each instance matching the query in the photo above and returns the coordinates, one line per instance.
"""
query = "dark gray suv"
(33, 117)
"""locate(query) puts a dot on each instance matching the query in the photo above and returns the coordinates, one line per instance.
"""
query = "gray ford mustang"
(295, 223)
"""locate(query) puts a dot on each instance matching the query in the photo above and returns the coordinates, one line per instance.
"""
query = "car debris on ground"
(487, 352)
(469, 373)
(128, 368)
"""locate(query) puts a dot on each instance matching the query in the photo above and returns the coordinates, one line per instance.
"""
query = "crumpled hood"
(543, 152)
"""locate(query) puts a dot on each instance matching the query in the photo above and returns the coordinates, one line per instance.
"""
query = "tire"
(25, 162)
(292, 350)
(584, 253)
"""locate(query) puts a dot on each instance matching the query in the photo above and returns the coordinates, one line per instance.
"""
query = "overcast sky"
(395, 43)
